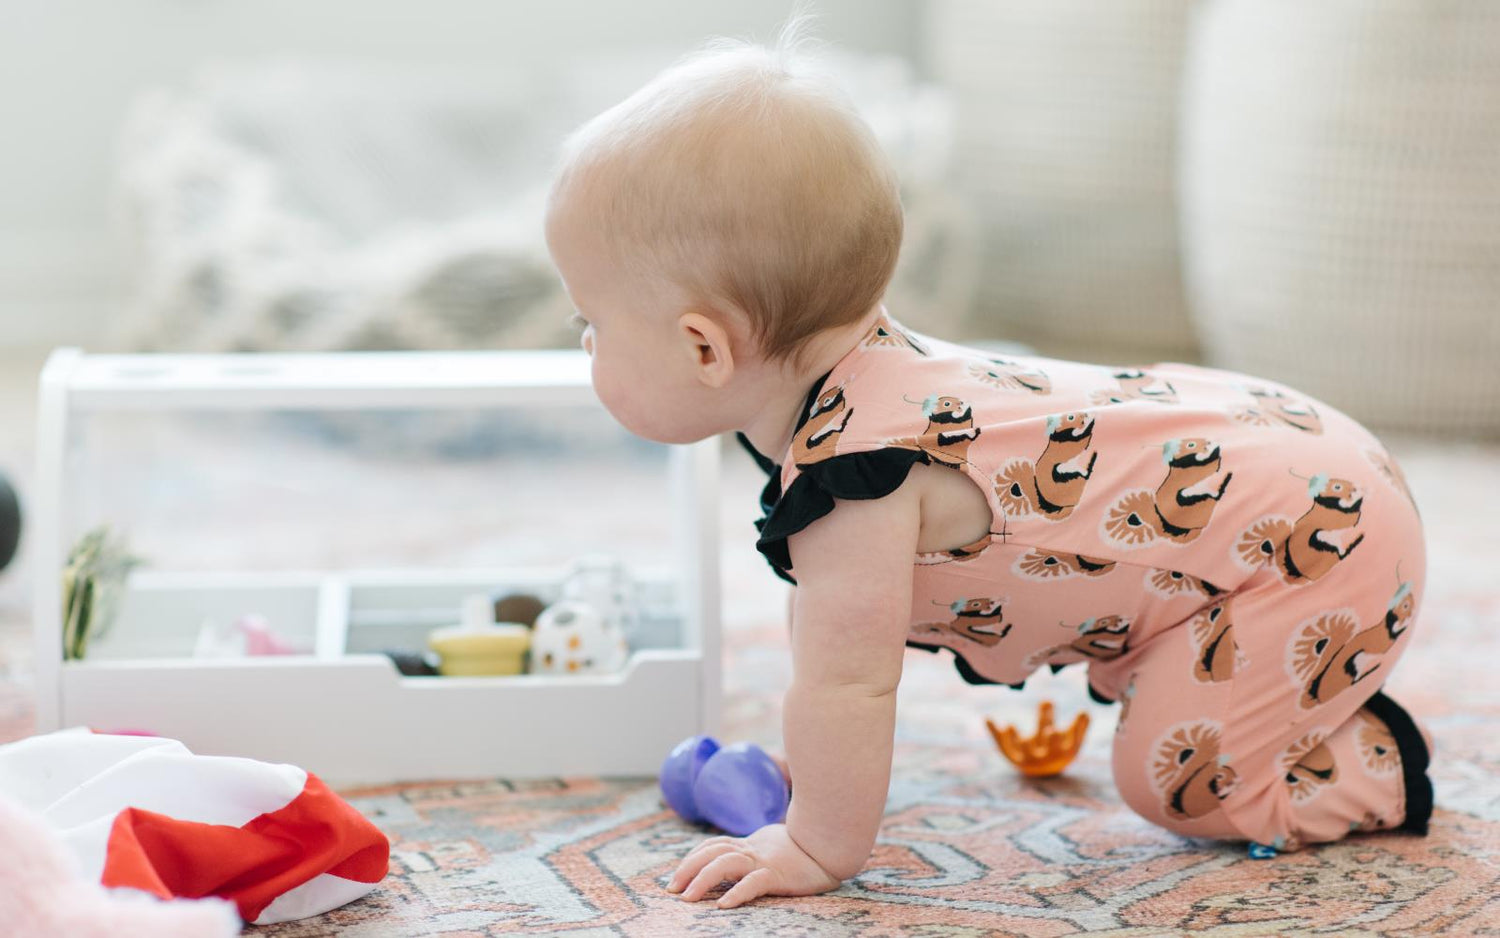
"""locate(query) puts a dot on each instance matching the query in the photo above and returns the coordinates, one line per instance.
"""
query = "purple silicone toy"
(738, 789)
(680, 770)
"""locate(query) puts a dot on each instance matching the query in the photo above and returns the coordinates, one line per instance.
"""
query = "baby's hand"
(767, 863)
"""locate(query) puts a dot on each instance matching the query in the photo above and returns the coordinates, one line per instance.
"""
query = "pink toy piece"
(260, 639)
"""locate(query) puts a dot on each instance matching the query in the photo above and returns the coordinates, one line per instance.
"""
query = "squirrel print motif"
(1103, 638)
(1329, 653)
(1171, 583)
(1213, 634)
(1183, 503)
(1136, 385)
(886, 334)
(1011, 375)
(1377, 746)
(957, 554)
(1042, 564)
(973, 619)
(1309, 766)
(1304, 551)
(950, 431)
(1100, 638)
(1391, 472)
(1190, 772)
(1277, 409)
(1053, 485)
(826, 419)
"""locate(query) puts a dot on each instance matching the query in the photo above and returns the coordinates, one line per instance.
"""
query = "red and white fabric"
(144, 813)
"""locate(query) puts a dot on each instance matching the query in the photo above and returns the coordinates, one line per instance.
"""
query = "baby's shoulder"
(855, 543)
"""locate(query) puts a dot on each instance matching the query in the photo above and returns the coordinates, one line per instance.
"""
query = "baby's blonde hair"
(744, 176)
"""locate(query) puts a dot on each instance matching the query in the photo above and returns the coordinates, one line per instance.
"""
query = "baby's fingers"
(757, 884)
(699, 857)
(713, 842)
(728, 866)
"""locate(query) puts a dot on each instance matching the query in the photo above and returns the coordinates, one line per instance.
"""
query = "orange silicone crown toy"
(1049, 751)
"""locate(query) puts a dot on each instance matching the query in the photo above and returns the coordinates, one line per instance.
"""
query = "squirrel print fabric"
(1236, 564)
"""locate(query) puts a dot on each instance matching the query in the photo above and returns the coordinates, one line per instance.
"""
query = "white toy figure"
(571, 637)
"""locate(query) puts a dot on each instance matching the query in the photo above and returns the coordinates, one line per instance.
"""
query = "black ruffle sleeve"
(870, 474)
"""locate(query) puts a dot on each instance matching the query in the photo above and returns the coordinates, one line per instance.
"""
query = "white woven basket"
(1340, 196)
(1066, 134)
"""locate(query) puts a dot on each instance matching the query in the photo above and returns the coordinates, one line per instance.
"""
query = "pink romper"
(1238, 565)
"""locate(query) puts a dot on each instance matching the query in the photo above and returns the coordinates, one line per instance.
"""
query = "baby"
(1237, 565)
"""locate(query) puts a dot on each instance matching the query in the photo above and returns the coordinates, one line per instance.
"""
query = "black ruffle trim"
(870, 474)
(1414, 760)
(965, 670)
(867, 474)
(764, 462)
(770, 494)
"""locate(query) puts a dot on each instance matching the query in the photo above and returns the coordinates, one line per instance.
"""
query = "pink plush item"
(42, 894)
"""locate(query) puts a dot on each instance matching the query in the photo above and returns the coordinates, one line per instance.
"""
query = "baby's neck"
(772, 426)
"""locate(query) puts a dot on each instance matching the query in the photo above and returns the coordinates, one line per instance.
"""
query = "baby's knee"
(1178, 779)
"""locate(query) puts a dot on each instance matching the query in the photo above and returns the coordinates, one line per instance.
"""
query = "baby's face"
(642, 361)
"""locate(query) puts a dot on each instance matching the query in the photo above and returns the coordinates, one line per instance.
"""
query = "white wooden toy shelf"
(341, 708)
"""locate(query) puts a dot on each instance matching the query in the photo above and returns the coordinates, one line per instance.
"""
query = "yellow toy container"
(479, 646)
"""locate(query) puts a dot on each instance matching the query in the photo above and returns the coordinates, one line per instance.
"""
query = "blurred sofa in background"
(1310, 195)
(304, 206)
(1066, 129)
(1304, 192)
(1340, 196)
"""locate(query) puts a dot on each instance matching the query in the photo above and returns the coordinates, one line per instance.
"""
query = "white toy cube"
(307, 440)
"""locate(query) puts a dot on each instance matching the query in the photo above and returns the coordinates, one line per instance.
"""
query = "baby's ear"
(709, 345)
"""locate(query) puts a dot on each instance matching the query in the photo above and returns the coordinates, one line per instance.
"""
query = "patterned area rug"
(967, 848)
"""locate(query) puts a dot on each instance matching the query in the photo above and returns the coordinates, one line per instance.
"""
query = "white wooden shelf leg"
(48, 522)
(331, 635)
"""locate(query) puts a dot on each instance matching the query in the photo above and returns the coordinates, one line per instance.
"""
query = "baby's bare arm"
(849, 622)
(852, 609)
